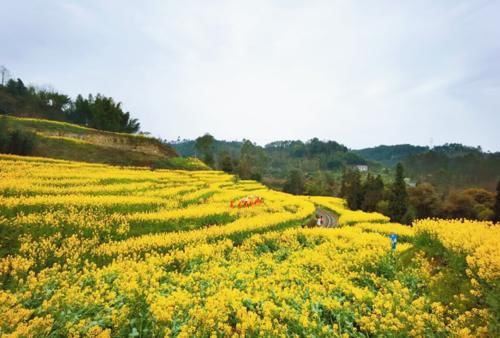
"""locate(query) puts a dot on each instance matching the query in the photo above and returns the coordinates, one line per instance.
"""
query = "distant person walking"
(319, 221)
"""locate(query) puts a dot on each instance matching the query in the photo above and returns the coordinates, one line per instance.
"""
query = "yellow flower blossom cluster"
(90, 250)
(301, 282)
(388, 228)
(480, 241)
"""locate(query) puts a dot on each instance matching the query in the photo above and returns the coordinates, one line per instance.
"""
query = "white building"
(361, 167)
(410, 183)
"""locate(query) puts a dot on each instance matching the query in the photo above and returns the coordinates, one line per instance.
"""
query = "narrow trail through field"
(329, 219)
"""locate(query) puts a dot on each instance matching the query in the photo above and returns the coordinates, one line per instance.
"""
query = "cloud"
(362, 74)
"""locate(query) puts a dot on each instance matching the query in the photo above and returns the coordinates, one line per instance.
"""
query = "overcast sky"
(361, 73)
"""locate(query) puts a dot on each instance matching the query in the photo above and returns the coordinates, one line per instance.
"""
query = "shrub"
(15, 141)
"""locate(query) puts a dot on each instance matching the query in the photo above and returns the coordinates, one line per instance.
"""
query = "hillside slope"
(91, 250)
(67, 141)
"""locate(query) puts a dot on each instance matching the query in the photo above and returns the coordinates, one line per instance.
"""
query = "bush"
(4, 134)
(20, 143)
(15, 142)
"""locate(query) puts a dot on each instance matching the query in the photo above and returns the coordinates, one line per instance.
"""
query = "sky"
(362, 73)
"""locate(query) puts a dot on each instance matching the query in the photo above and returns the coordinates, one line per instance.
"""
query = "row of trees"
(313, 147)
(276, 161)
(248, 163)
(372, 195)
(99, 111)
(404, 204)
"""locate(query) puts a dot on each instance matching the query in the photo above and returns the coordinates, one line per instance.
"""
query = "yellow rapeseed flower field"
(90, 250)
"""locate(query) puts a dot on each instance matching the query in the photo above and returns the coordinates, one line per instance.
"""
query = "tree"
(204, 145)
(52, 105)
(473, 203)
(15, 141)
(20, 143)
(295, 182)
(4, 75)
(373, 192)
(398, 196)
(106, 114)
(130, 125)
(496, 208)
(80, 110)
(459, 205)
(252, 161)
(425, 200)
(225, 162)
(351, 189)
(16, 88)
(101, 112)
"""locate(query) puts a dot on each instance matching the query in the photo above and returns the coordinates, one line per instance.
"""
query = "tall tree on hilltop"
(16, 88)
(398, 197)
(252, 161)
(205, 146)
(496, 208)
(80, 112)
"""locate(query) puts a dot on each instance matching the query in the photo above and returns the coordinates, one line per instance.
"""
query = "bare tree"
(5, 74)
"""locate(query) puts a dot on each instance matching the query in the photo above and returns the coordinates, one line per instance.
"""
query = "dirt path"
(329, 219)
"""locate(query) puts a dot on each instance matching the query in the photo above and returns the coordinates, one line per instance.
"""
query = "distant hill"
(279, 157)
(68, 141)
(454, 166)
(448, 166)
(318, 163)
(187, 148)
(390, 155)
(457, 150)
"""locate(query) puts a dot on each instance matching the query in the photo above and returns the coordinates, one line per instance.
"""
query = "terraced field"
(98, 251)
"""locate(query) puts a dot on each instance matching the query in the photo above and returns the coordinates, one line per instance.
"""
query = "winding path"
(329, 219)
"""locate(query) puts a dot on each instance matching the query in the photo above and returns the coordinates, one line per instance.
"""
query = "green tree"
(373, 192)
(101, 112)
(295, 182)
(20, 143)
(16, 87)
(398, 196)
(225, 162)
(459, 205)
(15, 141)
(425, 200)
(496, 208)
(205, 146)
(252, 161)
(352, 189)
(80, 111)
(472, 203)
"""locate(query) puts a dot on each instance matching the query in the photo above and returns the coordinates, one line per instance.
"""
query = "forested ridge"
(95, 111)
